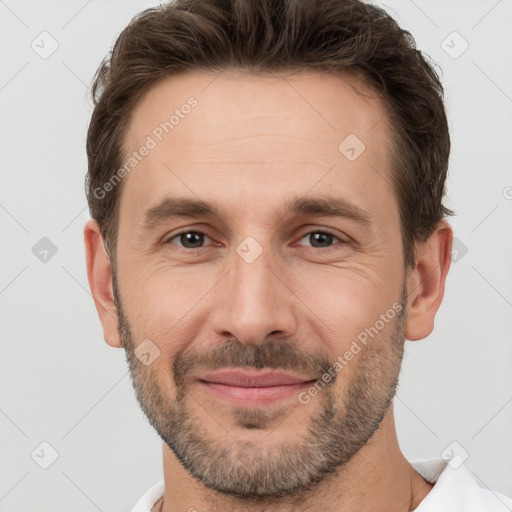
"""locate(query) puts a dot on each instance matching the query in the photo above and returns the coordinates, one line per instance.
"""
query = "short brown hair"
(269, 35)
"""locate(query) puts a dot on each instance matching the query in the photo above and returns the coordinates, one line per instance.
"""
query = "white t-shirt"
(455, 490)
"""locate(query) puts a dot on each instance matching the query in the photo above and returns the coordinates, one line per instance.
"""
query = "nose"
(254, 302)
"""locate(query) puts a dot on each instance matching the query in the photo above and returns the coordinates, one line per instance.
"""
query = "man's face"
(270, 282)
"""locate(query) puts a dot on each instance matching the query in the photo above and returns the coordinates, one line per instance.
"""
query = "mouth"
(253, 388)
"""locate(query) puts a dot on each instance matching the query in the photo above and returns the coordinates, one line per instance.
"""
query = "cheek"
(164, 305)
(348, 305)
(171, 306)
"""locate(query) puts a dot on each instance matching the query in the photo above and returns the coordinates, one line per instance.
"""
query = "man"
(266, 183)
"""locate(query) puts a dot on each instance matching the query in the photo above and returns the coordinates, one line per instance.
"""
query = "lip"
(246, 388)
(253, 379)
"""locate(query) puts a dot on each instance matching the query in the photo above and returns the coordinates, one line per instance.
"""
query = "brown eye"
(189, 239)
(321, 238)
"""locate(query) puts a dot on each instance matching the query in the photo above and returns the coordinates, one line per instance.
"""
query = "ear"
(425, 282)
(99, 273)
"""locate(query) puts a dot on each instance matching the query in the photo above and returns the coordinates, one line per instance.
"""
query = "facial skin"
(252, 146)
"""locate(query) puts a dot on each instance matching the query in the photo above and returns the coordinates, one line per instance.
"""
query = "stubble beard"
(256, 472)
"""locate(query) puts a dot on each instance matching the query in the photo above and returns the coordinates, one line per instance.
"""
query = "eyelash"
(324, 232)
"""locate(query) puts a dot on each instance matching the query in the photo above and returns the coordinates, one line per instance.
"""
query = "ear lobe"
(426, 282)
(99, 274)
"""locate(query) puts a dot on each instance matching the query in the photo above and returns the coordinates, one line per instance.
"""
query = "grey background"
(61, 384)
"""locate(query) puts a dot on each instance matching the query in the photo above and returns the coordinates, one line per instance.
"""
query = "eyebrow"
(194, 208)
(330, 207)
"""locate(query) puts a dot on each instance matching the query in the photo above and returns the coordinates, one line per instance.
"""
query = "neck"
(378, 477)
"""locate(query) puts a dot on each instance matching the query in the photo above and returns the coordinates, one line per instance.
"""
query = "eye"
(196, 239)
(321, 238)
(189, 239)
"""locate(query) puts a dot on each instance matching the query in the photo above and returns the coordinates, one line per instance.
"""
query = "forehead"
(238, 131)
(324, 101)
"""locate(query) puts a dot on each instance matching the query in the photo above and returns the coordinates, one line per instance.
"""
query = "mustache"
(274, 355)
